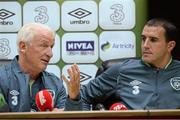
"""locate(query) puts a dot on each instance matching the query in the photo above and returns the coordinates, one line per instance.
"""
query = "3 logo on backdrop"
(42, 15)
(4, 47)
(7, 46)
(120, 14)
(42, 12)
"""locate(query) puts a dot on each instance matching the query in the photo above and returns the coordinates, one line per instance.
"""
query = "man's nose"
(49, 52)
(146, 43)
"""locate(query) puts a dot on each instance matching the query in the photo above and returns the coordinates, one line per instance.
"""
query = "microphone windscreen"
(44, 100)
(118, 106)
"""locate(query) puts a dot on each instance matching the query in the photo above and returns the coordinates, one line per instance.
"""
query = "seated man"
(25, 76)
(152, 82)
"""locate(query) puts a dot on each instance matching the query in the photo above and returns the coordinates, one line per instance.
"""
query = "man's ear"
(171, 45)
(22, 46)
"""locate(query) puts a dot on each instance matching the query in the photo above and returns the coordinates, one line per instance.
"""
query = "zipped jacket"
(15, 88)
(136, 85)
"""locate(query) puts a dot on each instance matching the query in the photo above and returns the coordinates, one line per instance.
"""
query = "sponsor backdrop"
(87, 31)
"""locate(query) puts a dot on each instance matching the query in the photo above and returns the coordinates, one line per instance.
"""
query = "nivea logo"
(80, 46)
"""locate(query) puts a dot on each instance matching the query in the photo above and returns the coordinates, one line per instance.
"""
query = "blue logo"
(80, 46)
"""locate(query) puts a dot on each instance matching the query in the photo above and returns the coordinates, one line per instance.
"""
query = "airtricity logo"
(105, 46)
(108, 45)
(4, 14)
(80, 45)
(79, 13)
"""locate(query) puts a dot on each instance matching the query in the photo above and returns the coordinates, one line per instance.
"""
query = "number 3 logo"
(14, 100)
(135, 90)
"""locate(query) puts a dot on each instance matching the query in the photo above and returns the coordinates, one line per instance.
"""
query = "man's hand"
(73, 85)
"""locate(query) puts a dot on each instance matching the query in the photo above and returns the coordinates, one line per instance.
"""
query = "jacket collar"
(149, 65)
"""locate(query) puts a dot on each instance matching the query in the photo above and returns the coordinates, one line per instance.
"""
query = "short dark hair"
(171, 31)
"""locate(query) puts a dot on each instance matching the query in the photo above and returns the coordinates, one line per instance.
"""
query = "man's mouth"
(45, 61)
(147, 52)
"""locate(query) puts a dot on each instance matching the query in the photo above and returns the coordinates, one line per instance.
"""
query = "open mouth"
(45, 61)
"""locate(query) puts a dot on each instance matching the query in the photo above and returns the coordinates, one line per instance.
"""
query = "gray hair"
(28, 31)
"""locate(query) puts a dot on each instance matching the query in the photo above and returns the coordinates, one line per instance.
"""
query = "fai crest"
(175, 83)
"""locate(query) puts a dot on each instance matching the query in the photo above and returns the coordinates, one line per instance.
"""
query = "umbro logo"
(83, 77)
(4, 14)
(14, 92)
(79, 13)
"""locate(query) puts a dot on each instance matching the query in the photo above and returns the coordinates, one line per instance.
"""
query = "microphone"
(99, 107)
(44, 100)
(118, 106)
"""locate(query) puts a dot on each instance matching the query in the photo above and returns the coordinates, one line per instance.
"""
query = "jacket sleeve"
(61, 96)
(94, 91)
(98, 89)
(73, 105)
